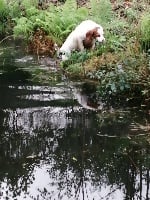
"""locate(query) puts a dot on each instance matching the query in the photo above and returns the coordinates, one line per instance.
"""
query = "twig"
(133, 162)
(114, 190)
(5, 38)
(114, 136)
(37, 52)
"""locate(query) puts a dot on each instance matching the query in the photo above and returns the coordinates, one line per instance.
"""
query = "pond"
(55, 146)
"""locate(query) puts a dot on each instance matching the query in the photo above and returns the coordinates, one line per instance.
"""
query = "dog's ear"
(95, 33)
(92, 33)
(89, 34)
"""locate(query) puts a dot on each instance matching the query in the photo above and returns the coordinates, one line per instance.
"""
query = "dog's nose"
(59, 55)
(102, 39)
(62, 55)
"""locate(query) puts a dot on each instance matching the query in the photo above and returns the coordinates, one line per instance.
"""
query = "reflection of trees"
(81, 160)
(123, 122)
(114, 162)
(105, 161)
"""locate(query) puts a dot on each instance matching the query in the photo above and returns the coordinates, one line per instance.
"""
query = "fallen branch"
(5, 38)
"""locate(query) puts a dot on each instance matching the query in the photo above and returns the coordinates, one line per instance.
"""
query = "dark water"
(54, 147)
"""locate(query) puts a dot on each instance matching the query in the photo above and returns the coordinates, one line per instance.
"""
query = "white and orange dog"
(82, 37)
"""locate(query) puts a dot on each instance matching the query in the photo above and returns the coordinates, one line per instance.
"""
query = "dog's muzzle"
(60, 54)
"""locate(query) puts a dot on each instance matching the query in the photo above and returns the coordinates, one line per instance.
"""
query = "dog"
(82, 37)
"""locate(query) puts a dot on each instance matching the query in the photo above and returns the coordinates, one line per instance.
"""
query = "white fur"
(75, 39)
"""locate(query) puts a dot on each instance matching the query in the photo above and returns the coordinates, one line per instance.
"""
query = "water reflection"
(56, 145)
(17, 66)
(52, 148)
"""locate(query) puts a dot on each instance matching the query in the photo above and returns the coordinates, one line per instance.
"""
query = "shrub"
(128, 78)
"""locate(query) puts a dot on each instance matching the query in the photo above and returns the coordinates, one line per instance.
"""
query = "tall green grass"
(145, 31)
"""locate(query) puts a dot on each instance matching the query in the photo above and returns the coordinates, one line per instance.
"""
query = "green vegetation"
(3, 16)
(145, 31)
(101, 11)
(57, 22)
(120, 67)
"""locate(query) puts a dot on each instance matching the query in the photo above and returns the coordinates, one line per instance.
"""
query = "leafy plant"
(74, 63)
(24, 27)
(127, 79)
(29, 3)
(58, 22)
(112, 81)
(131, 15)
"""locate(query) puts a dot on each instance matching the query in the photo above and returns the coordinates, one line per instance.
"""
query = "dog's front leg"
(93, 46)
(80, 45)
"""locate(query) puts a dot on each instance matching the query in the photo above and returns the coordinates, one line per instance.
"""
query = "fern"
(58, 22)
(82, 13)
(14, 9)
(2, 7)
(29, 3)
(32, 11)
(64, 18)
(23, 28)
(101, 11)
(69, 7)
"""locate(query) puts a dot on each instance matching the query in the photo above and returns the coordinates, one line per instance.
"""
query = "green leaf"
(113, 87)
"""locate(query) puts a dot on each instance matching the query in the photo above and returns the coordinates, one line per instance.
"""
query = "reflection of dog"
(84, 36)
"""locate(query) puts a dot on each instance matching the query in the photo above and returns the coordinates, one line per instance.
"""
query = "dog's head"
(93, 35)
(96, 33)
(63, 55)
(100, 34)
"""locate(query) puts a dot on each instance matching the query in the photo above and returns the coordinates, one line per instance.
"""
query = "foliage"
(15, 10)
(101, 11)
(145, 30)
(125, 75)
(129, 78)
(24, 25)
(73, 65)
(29, 3)
(65, 18)
(58, 22)
(73, 70)
(78, 57)
(114, 80)
(115, 42)
(131, 15)
(3, 16)
(126, 27)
